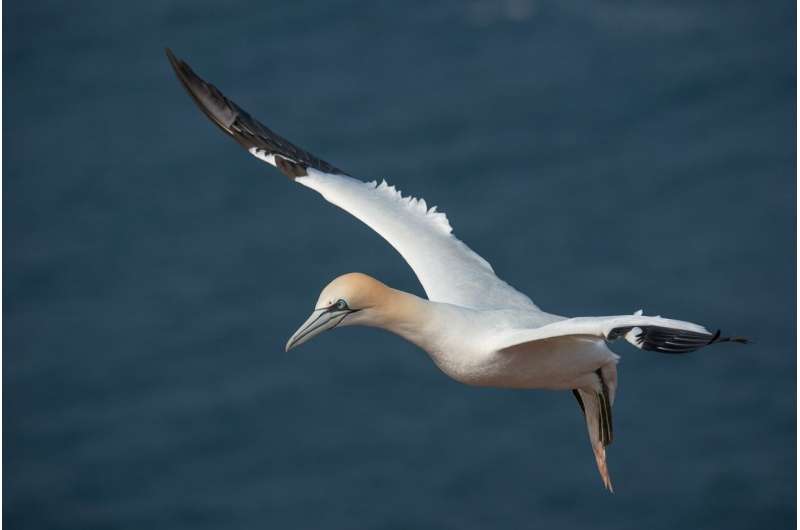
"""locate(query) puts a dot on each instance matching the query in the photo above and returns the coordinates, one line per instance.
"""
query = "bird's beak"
(319, 321)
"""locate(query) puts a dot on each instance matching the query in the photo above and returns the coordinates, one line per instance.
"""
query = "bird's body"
(463, 342)
(477, 329)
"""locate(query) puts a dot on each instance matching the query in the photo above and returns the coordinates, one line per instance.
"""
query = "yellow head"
(352, 298)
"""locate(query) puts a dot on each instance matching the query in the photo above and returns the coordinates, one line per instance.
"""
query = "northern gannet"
(477, 329)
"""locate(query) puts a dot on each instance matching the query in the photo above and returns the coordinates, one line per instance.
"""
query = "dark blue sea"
(603, 156)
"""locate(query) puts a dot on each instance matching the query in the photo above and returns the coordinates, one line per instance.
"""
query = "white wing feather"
(448, 270)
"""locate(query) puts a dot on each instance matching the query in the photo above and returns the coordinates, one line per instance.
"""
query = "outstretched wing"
(647, 333)
(448, 270)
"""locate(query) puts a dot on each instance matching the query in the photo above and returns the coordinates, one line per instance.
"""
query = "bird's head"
(352, 298)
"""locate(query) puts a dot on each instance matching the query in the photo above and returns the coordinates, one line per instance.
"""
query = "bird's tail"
(596, 404)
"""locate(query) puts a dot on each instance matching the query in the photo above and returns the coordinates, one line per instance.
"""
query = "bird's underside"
(450, 272)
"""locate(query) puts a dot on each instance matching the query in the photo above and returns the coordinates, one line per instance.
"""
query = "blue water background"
(604, 156)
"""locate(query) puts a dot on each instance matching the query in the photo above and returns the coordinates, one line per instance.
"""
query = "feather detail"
(417, 206)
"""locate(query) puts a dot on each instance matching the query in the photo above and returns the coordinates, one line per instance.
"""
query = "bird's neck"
(408, 316)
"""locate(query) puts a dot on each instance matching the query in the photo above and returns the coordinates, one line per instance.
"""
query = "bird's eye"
(340, 305)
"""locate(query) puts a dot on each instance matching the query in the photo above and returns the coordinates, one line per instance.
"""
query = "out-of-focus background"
(603, 156)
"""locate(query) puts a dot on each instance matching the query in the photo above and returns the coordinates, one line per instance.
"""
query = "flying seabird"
(477, 328)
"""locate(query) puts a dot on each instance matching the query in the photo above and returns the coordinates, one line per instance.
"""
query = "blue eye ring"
(340, 305)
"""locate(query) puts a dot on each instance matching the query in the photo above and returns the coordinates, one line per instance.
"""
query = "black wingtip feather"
(246, 130)
(673, 341)
(211, 102)
(739, 340)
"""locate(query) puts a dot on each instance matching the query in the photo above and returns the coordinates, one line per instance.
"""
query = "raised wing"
(646, 333)
(448, 270)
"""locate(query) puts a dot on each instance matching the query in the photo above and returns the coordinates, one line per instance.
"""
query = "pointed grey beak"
(319, 321)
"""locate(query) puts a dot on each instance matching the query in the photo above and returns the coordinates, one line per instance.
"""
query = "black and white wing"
(448, 270)
(652, 333)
